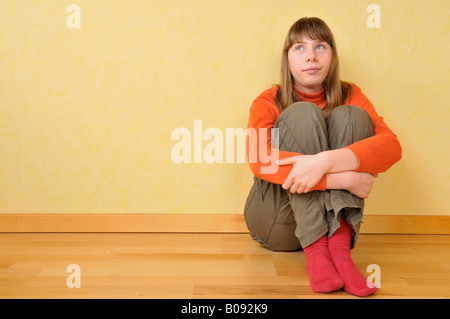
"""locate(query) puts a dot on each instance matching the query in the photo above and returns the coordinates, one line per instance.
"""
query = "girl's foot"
(339, 246)
(320, 267)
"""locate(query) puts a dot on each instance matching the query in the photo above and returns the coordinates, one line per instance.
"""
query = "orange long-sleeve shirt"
(375, 154)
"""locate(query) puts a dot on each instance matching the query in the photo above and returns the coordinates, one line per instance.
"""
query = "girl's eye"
(320, 47)
(300, 48)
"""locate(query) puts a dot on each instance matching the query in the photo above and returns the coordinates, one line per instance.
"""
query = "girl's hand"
(358, 183)
(308, 170)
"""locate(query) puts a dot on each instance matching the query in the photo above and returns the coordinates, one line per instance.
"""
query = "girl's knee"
(348, 124)
(301, 114)
(346, 113)
(302, 109)
(302, 128)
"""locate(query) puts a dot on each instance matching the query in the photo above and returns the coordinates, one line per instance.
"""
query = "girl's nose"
(311, 57)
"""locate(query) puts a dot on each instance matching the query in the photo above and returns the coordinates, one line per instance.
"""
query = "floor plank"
(162, 265)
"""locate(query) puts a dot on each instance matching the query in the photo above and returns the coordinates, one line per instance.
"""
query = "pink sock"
(320, 267)
(339, 246)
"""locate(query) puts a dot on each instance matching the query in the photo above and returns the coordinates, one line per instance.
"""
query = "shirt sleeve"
(381, 151)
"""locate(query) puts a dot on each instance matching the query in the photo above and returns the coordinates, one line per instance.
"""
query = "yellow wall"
(86, 115)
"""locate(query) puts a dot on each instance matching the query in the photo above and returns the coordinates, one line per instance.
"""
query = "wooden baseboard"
(122, 223)
(198, 223)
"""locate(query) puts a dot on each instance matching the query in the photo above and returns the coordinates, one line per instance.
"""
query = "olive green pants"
(283, 221)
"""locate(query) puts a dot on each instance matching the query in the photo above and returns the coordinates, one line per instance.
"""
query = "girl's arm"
(336, 165)
(308, 170)
(358, 183)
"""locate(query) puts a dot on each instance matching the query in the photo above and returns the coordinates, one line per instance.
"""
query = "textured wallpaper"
(93, 92)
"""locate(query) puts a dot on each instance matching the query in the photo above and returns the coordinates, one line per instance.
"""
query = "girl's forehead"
(308, 37)
(305, 39)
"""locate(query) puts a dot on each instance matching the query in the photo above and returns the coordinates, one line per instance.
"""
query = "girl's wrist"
(325, 160)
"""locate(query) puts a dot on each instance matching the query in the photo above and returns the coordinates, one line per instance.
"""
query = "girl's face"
(309, 61)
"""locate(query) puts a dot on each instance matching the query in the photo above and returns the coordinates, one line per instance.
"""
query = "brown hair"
(336, 91)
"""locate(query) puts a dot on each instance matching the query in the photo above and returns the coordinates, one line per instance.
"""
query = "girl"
(327, 144)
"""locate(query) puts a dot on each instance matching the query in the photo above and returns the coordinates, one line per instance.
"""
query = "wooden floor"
(137, 265)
